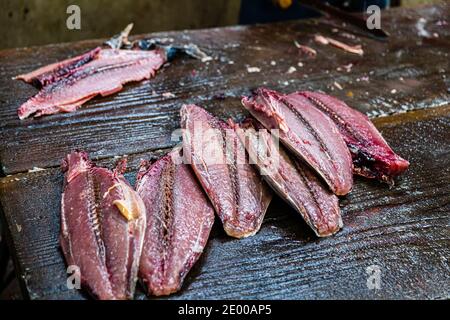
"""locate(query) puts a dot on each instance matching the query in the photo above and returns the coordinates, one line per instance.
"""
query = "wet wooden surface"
(402, 84)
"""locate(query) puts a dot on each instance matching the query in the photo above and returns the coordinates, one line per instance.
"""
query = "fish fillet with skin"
(372, 156)
(308, 133)
(102, 227)
(294, 181)
(55, 71)
(70, 83)
(236, 190)
(179, 220)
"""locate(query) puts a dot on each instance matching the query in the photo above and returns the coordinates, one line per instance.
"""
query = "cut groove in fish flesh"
(236, 190)
(293, 180)
(102, 227)
(179, 220)
(307, 132)
(372, 156)
(70, 83)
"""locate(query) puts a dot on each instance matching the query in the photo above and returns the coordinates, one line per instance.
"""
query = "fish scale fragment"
(236, 190)
(103, 239)
(307, 132)
(179, 220)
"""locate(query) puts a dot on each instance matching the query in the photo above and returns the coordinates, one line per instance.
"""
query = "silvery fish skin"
(372, 156)
(307, 132)
(293, 181)
(179, 220)
(102, 227)
(238, 193)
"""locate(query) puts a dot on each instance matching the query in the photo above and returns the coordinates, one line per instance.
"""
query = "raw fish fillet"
(179, 220)
(372, 156)
(102, 227)
(55, 71)
(236, 190)
(293, 180)
(307, 132)
(68, 84)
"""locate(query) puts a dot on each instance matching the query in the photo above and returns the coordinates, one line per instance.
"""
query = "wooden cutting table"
(402, 84)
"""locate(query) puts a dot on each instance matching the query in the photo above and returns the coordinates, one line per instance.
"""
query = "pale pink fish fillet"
(102, 227)
(372, 156)
(104, 75)
(308, 133)
(53, 72)
(293, 180)
(179, 220)
(236, 190)
(79, 238)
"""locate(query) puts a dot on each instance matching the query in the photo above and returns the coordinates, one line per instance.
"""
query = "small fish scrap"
(120, 40)
(305, 49)
(356, 49)
(253, 69)
(291, 70)
(420, 26)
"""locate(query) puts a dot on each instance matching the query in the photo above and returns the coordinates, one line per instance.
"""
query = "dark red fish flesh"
(236, 190)
(307, 132)
(293, 180)
(179, 220)
(372, 156)
(68, 84)
(102, 227)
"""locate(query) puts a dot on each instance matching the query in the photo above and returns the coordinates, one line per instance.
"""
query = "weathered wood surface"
(404, 230)
(139, 118)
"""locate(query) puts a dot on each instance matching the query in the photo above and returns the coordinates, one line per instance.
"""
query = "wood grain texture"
(404, 230)
(407, 72)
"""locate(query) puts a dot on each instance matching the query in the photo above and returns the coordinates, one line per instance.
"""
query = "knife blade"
(351, 18)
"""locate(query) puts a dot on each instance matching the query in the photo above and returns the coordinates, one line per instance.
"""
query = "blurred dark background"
(36, 22)
(33, 22)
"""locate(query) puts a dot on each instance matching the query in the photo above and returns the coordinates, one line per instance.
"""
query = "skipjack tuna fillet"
(68, 84)
(179, 220)
(308, 133)
(236, 190)
(292, 180)
(372, 156)
(102, 227)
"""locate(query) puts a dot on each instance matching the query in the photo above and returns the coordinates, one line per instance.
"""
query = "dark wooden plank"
(405, 73)
(404, 230)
